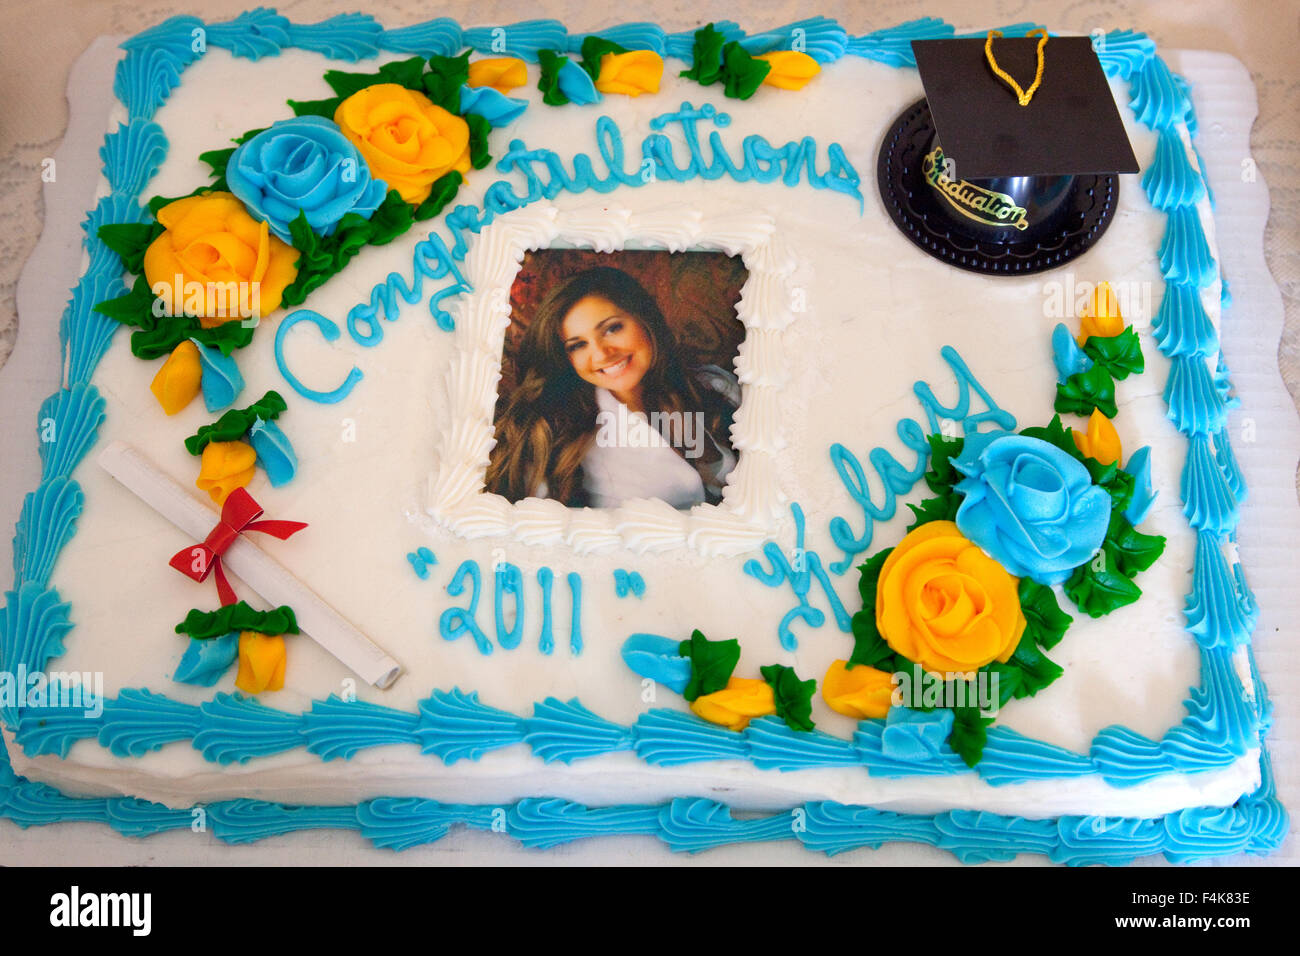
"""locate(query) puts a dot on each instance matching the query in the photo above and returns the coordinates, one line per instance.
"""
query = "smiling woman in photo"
(605, 411)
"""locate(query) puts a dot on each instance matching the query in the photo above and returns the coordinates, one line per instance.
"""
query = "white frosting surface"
(873, 313)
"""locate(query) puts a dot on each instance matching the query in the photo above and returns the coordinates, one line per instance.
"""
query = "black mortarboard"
(1069, 126)
(982, 182)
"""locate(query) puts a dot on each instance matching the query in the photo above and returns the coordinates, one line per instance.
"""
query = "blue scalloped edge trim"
(1255, 824)
(158, 56)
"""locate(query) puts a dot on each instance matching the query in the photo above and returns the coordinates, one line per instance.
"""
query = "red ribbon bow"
(238, 514)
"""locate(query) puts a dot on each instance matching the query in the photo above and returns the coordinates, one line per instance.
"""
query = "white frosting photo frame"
(752, 498)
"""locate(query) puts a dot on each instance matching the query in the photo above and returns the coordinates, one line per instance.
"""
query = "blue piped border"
(231, 728)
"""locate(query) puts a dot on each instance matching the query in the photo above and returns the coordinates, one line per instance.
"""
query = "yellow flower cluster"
(407, 140)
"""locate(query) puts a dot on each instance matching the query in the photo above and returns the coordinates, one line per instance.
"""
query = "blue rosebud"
(494, 106)
(306, 165)
(1030, 506)
(577, 84)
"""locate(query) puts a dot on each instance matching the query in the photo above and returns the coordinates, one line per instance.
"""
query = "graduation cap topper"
(1010, 166)
(1068, 123)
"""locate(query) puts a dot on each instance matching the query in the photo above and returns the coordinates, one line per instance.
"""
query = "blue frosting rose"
(1029, 505)
(303, 165)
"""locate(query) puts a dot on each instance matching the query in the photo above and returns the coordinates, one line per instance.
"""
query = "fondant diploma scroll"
(254, 566)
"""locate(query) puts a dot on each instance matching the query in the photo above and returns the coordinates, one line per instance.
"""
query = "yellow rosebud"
(502, 73)
(858, 692)
(736, 704)
(407, 140)
(216, 262)
(261, 662)
(791, 70)
(1100, 317)
(631, 74)
(225, 466)
(177, 382)
(945, 604)
(1100, 441)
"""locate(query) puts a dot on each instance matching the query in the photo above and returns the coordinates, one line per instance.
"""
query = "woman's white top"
(646, 456)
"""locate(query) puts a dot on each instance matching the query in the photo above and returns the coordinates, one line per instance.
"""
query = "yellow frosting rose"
(631, 74)
(209, 256)
(791, 70)
(736, 704)
(261, 662)
(178, 381)
(1100, 441)
(859, 692)
(945, 604)
(502, 73)
(225, 466)
(407, 140)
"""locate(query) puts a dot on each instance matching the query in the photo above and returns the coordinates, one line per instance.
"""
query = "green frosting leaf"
(218, 159)
(1084, 391)
(324, 256)
(1120, 355)
(325, 108)
(227, 337)
(869, 647)
(712, 663)
(1045, 622)
(393, 217)
(135, 308)
(1116, 482)
(130, 240)
(1035, 669)
(706, 56)
(793, 696)
(870, 575)
(158, 335)
(941, 476)
(1132, 550)
(158, 202)
(742, 74)
(479, 128)
(594, 49)
(969, 734)
(409, 73)
(549, 83)
(943, 508)
(1055, 433)
(202, 625)
(447, 74)
(405, 73)
(1099, 586)
(1009, 675)
(444, 190)
(235, 423)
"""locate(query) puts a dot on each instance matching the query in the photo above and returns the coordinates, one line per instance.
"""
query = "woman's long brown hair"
(549, 422)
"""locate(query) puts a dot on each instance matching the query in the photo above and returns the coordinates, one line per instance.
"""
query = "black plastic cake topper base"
(930, 223)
